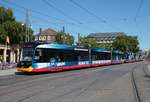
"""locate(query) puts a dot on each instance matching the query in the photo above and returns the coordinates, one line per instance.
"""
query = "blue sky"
(129, 16)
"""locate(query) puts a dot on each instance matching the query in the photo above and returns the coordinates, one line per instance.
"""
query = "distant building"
(105, 37)
(105, 40)
(46, 35)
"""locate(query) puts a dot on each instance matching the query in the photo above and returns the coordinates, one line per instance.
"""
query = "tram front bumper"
(25, 69)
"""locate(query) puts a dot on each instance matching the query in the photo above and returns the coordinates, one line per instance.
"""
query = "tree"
(63, 38)
(59, 37)
(12, 28)
(88, 42)
(6, 15)
(69, 40)
(126, 43)
(105, 45)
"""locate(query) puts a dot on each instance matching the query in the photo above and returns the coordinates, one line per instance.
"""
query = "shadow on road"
(26, 73)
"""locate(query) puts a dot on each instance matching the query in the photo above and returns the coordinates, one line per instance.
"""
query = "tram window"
(81, 56)
(41, 55)
(53, 55)
(102, 56)
(68, 56)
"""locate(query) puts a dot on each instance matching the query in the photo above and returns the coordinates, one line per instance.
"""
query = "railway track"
(135, 89)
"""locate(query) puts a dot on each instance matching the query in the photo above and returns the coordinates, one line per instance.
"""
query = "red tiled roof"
(48, 31)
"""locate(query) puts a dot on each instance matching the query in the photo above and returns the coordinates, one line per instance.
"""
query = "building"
(105, 40)
(7, 54)
(46, 35)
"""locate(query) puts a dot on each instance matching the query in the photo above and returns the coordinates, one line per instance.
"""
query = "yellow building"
(7, 54)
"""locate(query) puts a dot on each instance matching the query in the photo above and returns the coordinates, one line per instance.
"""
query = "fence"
(4, 66)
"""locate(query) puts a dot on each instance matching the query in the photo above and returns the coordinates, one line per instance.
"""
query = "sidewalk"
(142, 80)
(7, 72)
(147, 69)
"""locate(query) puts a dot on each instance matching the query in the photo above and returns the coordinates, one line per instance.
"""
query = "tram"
(59, 57)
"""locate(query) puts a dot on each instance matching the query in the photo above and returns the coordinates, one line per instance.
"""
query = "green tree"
(2, 35)
(88, 42)
(59, 37)
(105, 45)
(63, 38)
(12, 28)
(126, 43)
(69, 39)
(6, 15)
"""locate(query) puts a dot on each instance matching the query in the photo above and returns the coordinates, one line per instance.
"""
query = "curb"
(146, 70)
(7, 72)
(136, 92)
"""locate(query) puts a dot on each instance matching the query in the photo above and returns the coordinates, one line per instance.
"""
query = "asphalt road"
(103, 84)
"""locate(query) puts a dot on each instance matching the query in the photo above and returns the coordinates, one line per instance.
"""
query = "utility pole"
(79, 39)
(27, 26)
(63, 30)
(64, 35)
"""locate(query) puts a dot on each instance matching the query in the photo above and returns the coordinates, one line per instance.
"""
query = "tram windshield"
(27, 54)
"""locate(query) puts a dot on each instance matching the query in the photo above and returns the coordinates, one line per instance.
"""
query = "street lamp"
(27, 31)
(26, 36)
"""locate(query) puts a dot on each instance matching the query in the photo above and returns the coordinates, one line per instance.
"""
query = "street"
(102, 84)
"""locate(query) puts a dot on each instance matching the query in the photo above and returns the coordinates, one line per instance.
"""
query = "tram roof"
(62, 46)
(101, 50)
(77, 48)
